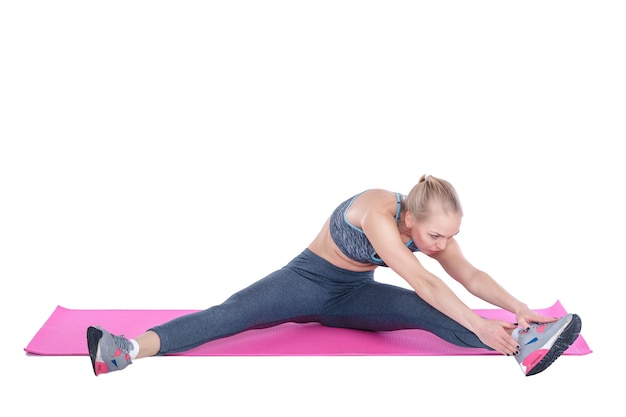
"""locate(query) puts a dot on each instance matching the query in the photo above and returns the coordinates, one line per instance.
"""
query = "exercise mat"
(64, 333)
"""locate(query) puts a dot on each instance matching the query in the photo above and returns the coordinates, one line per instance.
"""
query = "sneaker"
(108, 352)
(543, 343)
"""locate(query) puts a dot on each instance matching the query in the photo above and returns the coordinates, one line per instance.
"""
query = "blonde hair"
(432, 189)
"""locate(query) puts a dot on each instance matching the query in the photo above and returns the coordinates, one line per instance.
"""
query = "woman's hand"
(497, 335)
(525, 317)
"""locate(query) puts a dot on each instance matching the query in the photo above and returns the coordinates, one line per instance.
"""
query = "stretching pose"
(332, 282)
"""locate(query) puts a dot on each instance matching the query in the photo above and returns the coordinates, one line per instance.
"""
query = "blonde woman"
(332, 282)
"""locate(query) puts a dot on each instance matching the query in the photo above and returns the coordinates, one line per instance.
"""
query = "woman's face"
(433, 233)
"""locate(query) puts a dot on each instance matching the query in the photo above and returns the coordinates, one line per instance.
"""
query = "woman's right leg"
(280, 297)
(298, 292)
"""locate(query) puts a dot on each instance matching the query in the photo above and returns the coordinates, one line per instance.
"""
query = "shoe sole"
(93, 339)
(565, 340)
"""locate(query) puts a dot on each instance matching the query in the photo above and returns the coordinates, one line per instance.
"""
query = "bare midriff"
(324, 247)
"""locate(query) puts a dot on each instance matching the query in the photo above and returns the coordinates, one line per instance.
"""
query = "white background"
(166, 154)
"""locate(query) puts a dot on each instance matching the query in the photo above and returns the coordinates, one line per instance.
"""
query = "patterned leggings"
(311, 289)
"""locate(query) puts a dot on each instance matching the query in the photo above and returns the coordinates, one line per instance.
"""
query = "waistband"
(314, 266)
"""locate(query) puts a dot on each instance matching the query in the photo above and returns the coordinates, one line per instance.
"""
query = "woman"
(332, 282)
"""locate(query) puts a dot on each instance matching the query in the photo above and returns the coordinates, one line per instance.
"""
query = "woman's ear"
(409, 220)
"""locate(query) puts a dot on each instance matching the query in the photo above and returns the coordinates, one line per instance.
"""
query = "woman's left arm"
(483, 286)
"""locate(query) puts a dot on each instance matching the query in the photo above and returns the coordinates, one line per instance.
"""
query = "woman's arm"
(384, 235)
(475, 281)
(483, 286)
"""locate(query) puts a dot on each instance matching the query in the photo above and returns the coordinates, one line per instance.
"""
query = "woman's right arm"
(383, 233)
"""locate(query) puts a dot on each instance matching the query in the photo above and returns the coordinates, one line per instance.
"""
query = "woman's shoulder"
(376, 198)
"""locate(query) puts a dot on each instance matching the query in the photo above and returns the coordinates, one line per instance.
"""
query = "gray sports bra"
(352, 241)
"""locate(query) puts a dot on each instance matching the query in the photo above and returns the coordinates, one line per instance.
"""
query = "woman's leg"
(297, 293)
(280, 297)
(380, 307)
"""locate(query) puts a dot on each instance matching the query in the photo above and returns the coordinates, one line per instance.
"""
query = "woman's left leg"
(377, 306)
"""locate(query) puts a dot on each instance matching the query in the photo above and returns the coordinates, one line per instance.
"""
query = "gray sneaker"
(543, 343)
(108, 352)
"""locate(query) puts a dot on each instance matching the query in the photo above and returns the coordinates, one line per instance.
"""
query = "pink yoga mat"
(64, 334)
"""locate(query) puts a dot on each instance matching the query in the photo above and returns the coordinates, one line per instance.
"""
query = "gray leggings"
(311, 289)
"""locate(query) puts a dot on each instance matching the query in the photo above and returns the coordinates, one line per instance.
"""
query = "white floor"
(164, 156)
